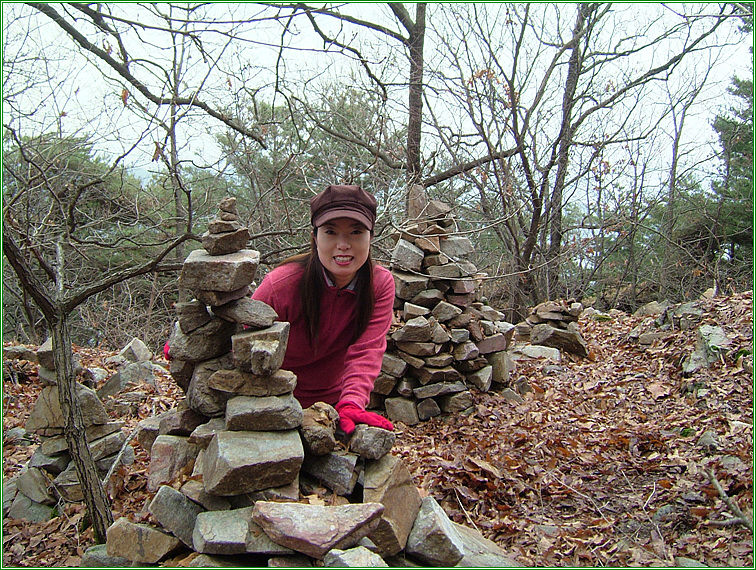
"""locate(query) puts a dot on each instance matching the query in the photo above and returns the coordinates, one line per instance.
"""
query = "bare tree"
(75, 224)
(517, 61)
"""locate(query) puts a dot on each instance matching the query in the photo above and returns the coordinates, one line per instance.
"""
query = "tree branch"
(732, 505)
(124, 72)
(467, 166)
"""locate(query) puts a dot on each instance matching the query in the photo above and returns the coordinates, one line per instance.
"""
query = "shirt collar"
(351, 287)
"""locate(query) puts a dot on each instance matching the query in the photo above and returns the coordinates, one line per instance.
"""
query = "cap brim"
(342, 213)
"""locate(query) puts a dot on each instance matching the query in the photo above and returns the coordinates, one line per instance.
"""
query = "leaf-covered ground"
(607, 462)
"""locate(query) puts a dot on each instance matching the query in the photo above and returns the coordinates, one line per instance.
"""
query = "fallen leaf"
(659, 390)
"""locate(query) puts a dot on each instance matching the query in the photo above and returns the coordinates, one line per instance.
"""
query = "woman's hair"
(313, 283)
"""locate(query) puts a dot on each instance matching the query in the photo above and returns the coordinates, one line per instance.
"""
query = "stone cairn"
(244, 477)
(554, 324)
(50, 475)
(447, 340)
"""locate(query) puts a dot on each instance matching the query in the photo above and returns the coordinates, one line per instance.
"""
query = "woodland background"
(601, 152)
(591, 151)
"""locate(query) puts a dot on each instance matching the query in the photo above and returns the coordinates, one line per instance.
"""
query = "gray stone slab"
(219, 272)
(240, 462)
(175, 512)
(266, 413)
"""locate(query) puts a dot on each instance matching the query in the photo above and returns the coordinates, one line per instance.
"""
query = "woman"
(339, 305)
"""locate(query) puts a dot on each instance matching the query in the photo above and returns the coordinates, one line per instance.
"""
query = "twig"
(461, 506)
(732, 505)
(586, 497)
(651, 496)
(118, 457)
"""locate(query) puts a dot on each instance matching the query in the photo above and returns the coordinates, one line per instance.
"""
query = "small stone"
(180, 422)
(220, 298)
(225, 243)
(433, 538)
(482, 378)
(408, 285)
(357, 557)
(192, 315)
(175, 512)
(402, 410)
(230, 272)
(456, 402)
(203, 433)
(393, 366)
(139, 542)
(337, 471)
(439, 389)
(388, 481)
(45, 355)
(407, 256)
(97, 557)
(371, 442)
(169, 454)
(136, 351)
(465, 351)
(318, 428)
(261, 352)
(250, 312)
(427, 409)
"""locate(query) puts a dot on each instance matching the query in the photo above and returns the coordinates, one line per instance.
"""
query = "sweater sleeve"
(365, 356)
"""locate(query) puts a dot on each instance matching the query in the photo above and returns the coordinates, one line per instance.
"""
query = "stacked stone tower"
(243, 476)
(447, 340)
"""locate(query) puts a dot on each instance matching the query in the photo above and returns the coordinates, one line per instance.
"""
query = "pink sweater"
(340, 370)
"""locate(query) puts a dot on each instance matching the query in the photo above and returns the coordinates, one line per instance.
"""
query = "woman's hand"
(350, 414)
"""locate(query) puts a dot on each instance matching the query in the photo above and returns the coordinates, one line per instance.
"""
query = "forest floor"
(613, 460)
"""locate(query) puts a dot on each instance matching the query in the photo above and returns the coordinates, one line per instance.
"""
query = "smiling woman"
(339, 305)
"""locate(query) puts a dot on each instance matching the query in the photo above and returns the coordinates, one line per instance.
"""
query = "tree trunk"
(565, 142)
(414, 124)
(74, 431)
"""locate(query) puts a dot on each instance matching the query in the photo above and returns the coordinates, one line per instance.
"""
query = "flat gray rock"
(219, 272)
(388, 481)
(175, 512)
(433, 538)
(239, 462)
(138, 542)
(263, 413)
(371, 442)
(250, 312)
(314, 529)
(243, 383)
(46, 417)
(357, 557)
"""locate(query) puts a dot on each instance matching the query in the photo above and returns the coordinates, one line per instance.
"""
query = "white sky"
(79, 101)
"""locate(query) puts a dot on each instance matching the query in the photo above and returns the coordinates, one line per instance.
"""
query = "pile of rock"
(554, 324)
(50, 474)
(446, 340)
(134, 380)
(243, 476)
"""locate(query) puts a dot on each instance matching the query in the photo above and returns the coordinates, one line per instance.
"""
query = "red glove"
(166, 350)
(350, 414)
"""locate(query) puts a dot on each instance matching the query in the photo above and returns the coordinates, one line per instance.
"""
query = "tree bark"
(414, 124)
(565, 142)
(75, 433)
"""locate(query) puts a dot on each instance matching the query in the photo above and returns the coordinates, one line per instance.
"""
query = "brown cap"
(343, 201)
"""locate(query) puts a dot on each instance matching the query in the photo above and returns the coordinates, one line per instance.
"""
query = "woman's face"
(343, 246)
